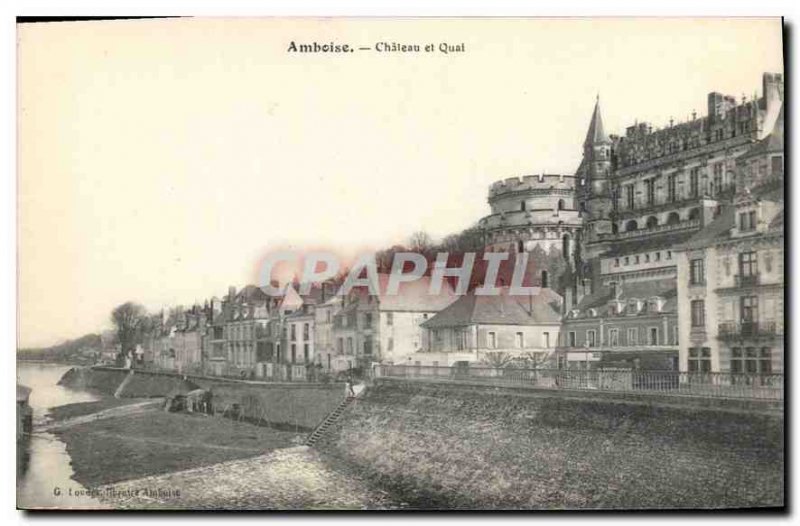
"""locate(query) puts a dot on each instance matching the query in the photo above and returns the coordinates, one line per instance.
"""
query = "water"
(45, 482)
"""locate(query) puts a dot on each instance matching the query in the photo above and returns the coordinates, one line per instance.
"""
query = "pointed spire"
(596, 133)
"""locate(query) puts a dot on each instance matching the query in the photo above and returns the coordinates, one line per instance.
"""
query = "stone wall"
(466, 446)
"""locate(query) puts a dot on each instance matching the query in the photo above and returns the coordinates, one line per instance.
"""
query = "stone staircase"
(331, 419)
(118, 392)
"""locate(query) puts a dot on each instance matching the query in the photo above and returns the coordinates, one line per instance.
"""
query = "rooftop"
(504, 309)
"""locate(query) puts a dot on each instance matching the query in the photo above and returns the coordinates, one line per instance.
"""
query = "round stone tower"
(537, 214)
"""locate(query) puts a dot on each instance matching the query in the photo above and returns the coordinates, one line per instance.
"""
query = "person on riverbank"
(348, 389)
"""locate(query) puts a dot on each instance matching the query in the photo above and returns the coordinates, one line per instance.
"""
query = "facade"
(731, 274)
(475, 327)
(640, 195)
(325, 345)
(387, 327)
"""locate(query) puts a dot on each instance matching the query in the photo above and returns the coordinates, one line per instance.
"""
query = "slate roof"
(769, 144)
(643, 290)
(777, 221)
(596, 133)
(504, 309)
(412, 296)
(717, 230)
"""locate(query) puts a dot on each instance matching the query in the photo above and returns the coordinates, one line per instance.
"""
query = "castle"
(615, 223)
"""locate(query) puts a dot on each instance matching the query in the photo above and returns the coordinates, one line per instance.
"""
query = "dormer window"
(574, 313)
(656, 304)
(592, 313)
(747, 221)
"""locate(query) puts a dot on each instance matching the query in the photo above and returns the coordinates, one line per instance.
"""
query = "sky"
(159, 161)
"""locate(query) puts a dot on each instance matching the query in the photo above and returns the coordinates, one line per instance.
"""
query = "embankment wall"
(451, 446)
(291, 405)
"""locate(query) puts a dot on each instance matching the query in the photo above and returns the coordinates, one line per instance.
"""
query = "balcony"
(660, 229)
(749, 330)
(747, 281)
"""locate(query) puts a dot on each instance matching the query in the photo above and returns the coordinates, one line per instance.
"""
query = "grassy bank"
(65, 412)
(156, 442)
(449, 447)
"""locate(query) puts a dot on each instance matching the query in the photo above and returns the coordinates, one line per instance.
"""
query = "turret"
(593, 174)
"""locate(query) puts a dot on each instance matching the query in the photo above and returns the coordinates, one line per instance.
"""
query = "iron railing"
(750, 280)
(748, 329)
(696, 384)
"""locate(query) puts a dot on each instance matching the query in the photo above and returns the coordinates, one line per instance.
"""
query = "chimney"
(567, 299)
(324, 286)
(772, 84)
(231, 292)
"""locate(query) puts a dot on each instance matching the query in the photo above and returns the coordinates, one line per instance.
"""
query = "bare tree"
(420, 242)
(129, 321)
(498, 359)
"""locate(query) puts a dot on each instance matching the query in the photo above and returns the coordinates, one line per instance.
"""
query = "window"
(616, 262)
(306, 331)
(349, 345)
(367, 320)
(694, 182)
(749, 309)
(571, 339)
(294, 352)
(340, 345)
(636, 259)
(699, 360)
(519, 340)
(613, 337)
(748, 264)
(522, 206)
(294, 332)
(631, 225)
(650, 187)
(675, 335)
(591, 338)
(777, 165)
(750, 360)
(627, 260)
(669, 254)
(305, 353)
(672, 188)
(697, 272)
(367, 345)
(491, 340)
(633, 336)
(546, 339)
(328, 320)
(698, 313)
(390, 344)
(747, 221)
(718, 171)
(653, 340)
(658, 256)
(629, 196)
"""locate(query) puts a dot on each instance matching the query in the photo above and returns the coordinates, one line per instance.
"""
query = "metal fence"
(707, 385)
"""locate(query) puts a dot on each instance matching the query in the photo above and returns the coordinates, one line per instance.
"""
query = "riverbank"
(295, 478)
(445, 447)
(153, 442)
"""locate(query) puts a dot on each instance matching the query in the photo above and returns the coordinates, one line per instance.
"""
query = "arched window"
(631, 225)
(694, 213)
(565, 246)
(523, 206)
(544, 279)
(652, 221)
(561, 204)
(673, 218)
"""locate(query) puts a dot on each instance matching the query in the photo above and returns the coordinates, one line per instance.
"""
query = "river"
(45, 480)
